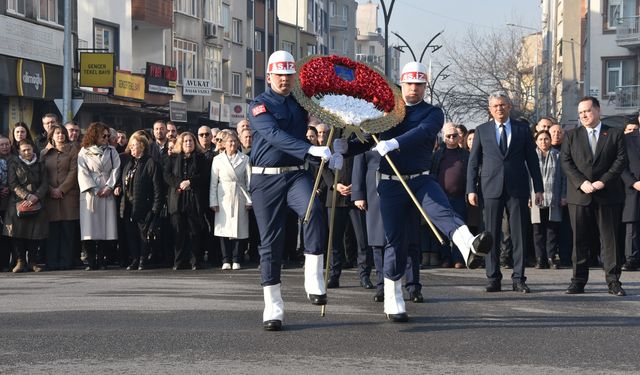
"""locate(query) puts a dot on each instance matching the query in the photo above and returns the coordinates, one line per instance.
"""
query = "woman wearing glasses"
(98, 167)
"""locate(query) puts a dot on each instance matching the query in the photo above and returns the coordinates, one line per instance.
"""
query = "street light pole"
(387, 18)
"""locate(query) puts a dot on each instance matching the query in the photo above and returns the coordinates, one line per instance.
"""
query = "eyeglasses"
(451, 136)
(203, 135)
(218, 139)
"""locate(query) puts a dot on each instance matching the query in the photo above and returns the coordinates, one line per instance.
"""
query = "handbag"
(24, 210)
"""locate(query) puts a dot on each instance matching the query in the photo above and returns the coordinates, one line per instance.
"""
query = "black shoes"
(493, 286)
(398, 318)
(521, 287)
(575, 288)
(474, 261)
(272, 325)
(366, 283)
(554, 262)
(615, 288)
(630, 266)
(133, 265)
(318, 299)
(379, 297)
(482, 243)
(333, 283)
(416, 297)
(541, 264)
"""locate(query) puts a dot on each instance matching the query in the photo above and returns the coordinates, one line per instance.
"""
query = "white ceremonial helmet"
(413, 72)
(281, 62)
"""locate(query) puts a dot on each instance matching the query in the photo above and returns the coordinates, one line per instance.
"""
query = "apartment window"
(105, 37)
(189, 7)
(212, 11)
(345, 12)
(213, 66)
(311, 49)
(372, 50)
(618, 72)
(226, 21)
(616, 11)
(185, 58)
(289, 47)
(310, 9)
(332, 8)
(257, 40)
(16, 6)
(236, 82)
(345, 46)
(236, 31)
(48, 10)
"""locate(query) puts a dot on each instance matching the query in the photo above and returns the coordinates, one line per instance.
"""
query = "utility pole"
(67, 114)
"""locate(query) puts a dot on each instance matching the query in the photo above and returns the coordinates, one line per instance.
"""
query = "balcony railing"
(337, 22)
(628, 32)
(627, 96)
(371, 59)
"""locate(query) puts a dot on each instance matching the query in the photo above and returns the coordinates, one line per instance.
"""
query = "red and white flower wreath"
(347, 94)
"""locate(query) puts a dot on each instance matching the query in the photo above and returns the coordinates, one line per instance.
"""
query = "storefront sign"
(194, 86)
(31, 79)
(238, 112)
(225, 113)
(160, 79)
(178, 111)
(96, 69)
(129, 86)
(214, 111)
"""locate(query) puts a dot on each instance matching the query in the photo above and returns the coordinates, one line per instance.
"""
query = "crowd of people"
(519, 194)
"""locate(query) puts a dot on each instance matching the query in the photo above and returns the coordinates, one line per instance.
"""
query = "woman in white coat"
(229, 198)
(98, 167)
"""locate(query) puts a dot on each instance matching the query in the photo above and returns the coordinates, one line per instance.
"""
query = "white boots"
(472, 247)
(393, 301)
(273, 308)
(314, 280)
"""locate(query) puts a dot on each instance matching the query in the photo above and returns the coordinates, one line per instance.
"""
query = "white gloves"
(336, 160)
(340, 145)
(322, 152)
(384, 147)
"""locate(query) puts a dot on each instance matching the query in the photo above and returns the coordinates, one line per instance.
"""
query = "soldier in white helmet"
(279, 180)
(409, 145)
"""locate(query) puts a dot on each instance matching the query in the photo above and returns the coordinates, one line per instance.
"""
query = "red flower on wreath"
(318, 77)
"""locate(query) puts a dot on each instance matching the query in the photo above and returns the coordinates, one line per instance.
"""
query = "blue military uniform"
(416, 135)
(363, 187)
(279, 126)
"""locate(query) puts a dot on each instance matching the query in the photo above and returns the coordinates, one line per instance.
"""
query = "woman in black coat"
(141, 201)
(185, 173)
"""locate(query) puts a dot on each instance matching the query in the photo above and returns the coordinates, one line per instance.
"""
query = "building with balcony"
(613, 59)
(31, 61)
(370, 42)
(342, 27)
(312, 17)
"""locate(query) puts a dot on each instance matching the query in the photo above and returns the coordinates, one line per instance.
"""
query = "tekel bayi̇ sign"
(194, 86)
(129, 86)
(96, 69)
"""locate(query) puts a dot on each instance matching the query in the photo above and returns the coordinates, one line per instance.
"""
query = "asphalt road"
(169, 322)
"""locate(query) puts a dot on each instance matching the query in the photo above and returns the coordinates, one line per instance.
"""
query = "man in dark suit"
(631, 210)
(593, 158)
(503, 154)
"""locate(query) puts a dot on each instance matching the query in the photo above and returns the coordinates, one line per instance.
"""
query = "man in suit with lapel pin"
(593, 158)
(503, 157)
